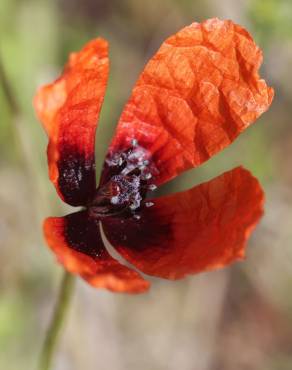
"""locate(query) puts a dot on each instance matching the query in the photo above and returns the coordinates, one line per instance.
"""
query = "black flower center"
(127, 178)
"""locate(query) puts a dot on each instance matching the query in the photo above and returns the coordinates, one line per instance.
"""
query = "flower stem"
(57, 320)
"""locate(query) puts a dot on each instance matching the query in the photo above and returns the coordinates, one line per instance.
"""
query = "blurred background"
(237, 318)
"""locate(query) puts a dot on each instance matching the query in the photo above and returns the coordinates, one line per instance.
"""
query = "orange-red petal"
(69, 109)
(76, 241)
(198, 92)
(196, 230)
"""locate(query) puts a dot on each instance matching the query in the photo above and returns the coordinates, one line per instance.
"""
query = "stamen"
(146, 176)
(134, 205)
(129, 168)
(136, 201)
(152, 187)
(115, 200)
(127, 183)
(134, 142)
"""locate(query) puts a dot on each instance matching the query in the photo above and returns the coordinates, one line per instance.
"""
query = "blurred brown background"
(238, 318)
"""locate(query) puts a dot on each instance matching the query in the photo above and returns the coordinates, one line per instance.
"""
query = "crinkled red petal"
(195, 96)
(76, 241)
(69, 110)
(196, 230)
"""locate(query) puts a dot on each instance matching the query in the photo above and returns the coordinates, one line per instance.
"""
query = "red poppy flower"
(194, 97)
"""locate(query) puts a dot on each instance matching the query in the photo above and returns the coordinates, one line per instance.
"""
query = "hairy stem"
(57, 320)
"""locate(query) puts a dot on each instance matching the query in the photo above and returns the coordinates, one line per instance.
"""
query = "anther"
(134, 142)
(152, 187)
(137, 217)
(129, 168)
(149, 204)
(134, 205)
(147, 176)
(114, 200)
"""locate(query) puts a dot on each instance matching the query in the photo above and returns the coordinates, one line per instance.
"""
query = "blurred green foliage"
(272, 19)
(35, 40)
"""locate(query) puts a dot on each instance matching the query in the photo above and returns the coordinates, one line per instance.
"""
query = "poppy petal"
(194, 97)
(69, 109)
(201, 229)
(77, 243)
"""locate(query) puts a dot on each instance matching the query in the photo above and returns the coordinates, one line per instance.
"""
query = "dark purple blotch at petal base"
(138, 234)
(82, 233)
(77, 176)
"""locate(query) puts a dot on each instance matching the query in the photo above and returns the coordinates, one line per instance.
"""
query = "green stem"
(57, 320)
(67, 284)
